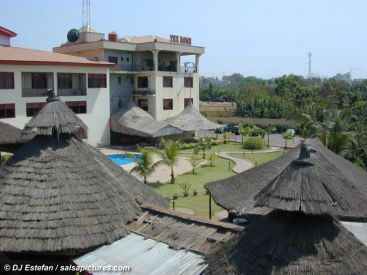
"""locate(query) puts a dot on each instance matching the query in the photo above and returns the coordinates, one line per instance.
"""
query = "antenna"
(309, 64)
(86, 13)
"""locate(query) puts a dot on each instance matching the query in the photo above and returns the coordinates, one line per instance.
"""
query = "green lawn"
(229, 147)
(202, 175)
(259, 158)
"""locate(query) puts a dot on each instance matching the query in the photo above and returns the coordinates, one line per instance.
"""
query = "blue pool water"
(121, 160)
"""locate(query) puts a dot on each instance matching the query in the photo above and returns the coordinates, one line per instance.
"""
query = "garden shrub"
(254, 143)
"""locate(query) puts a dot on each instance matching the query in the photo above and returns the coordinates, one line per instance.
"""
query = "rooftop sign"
(180, 39)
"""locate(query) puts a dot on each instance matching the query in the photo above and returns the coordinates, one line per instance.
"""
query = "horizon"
(259, 39)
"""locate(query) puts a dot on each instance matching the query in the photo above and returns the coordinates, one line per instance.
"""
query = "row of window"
(114, 59)
(167, 82)
(8, 110)
(167, 103)
(64, 80)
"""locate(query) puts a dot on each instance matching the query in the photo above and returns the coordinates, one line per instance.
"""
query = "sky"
(263, 38)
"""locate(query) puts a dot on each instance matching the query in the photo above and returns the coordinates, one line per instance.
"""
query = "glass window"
(97, 81)
(33, 108)
(7, 110)
(167, 81)
(6, 80)
(64, 81)
(143, 103)
(167, 104)
(78, 107)
(39, 81)
(142, 82)
(113, 59)
(188, 82)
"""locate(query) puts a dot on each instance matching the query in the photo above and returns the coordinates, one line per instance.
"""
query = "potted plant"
(175, 196)
(186, 189)
(195, 192)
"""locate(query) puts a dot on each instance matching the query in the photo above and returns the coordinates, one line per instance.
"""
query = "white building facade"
(147, 71)
(25, 76)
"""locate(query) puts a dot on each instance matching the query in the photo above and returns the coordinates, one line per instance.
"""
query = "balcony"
(72, 92)
(29, 92)
(143, 92)
(132, 68)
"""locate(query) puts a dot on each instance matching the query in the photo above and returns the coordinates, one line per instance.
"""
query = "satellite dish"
(73, 35)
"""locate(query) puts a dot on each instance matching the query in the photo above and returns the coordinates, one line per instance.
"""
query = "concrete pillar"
(178, 61)
(197, 59)
(155, 60)
(56, 91)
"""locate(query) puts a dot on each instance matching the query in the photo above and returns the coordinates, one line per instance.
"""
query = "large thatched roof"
(190, 119)
(132, 120)
(291, 243)
(58, 193)
(327, 184)
(9, 134)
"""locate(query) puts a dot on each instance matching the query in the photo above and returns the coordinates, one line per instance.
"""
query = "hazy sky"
(264, 38)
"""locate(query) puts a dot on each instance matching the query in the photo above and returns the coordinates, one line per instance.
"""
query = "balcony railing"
(72, 92)
(29, 92)
(143, 92)
(132, 68)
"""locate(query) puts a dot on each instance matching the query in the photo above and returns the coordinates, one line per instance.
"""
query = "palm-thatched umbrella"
(301, 236)
(10, 138)
(344, 184)
(59, 195)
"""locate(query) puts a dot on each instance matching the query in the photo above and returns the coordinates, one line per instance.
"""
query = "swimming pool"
(119, 159)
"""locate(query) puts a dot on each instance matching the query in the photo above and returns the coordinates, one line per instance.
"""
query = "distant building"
(147, 70)
(342, 77)
(25, 76)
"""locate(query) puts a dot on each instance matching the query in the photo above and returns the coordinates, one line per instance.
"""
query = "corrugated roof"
(22, 56)
(144, 256)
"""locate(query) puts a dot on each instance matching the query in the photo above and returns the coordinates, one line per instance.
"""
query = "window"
(142, 82)
(127, 59)
(122, 59)
(78, 107)
(167, 104)
(188, 82)
(167, 81)
(188, 101)
(119, 79)
(33, 108)
(143, 103)
(64, 81)
(39, 81)
(6, 80)
(113, 59)
(7, 110)
(97, 81)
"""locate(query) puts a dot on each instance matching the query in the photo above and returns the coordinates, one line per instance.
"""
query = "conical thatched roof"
(58, 193)
(326, 183)
(190, 119)
(132, 120)
(291, 243)
(9, 134)
(55, 116)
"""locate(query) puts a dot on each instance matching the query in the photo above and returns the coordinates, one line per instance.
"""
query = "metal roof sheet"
(144, 256)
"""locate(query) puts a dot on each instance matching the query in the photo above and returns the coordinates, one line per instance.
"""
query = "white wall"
(98, 100)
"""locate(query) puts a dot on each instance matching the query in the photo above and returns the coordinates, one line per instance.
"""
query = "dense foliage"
(253, 143)
(331, 109)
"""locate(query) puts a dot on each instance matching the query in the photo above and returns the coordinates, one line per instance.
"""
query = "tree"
(244, 130)
(195, 162)
(202, 146)
(212, 158)
(169, 156)
(287, 136)
(145, 165)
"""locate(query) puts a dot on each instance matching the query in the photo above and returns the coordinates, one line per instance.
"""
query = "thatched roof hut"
(59, 194)
(341, 183)
(301, 236)
(9, 134)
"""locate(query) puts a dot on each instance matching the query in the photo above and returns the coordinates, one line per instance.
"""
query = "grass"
(229, 147)
(203, 174)
(259, 158)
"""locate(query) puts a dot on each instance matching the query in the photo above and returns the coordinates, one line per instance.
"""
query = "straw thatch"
(132, 120)
(55, 117)
(327, 183)
(190, 119)
(58, 193)
(9, 134)
(291, 243)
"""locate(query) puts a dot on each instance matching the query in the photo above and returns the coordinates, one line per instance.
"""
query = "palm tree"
(145, 165)
(212, 157)
(287, 136)
(244, 130)
(195, 162)
(202, 146)
(169, 156)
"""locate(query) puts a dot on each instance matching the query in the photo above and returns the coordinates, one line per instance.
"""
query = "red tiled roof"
(21, 56)
(7, 32)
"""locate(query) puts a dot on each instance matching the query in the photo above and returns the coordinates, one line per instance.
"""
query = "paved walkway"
(241, 165)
